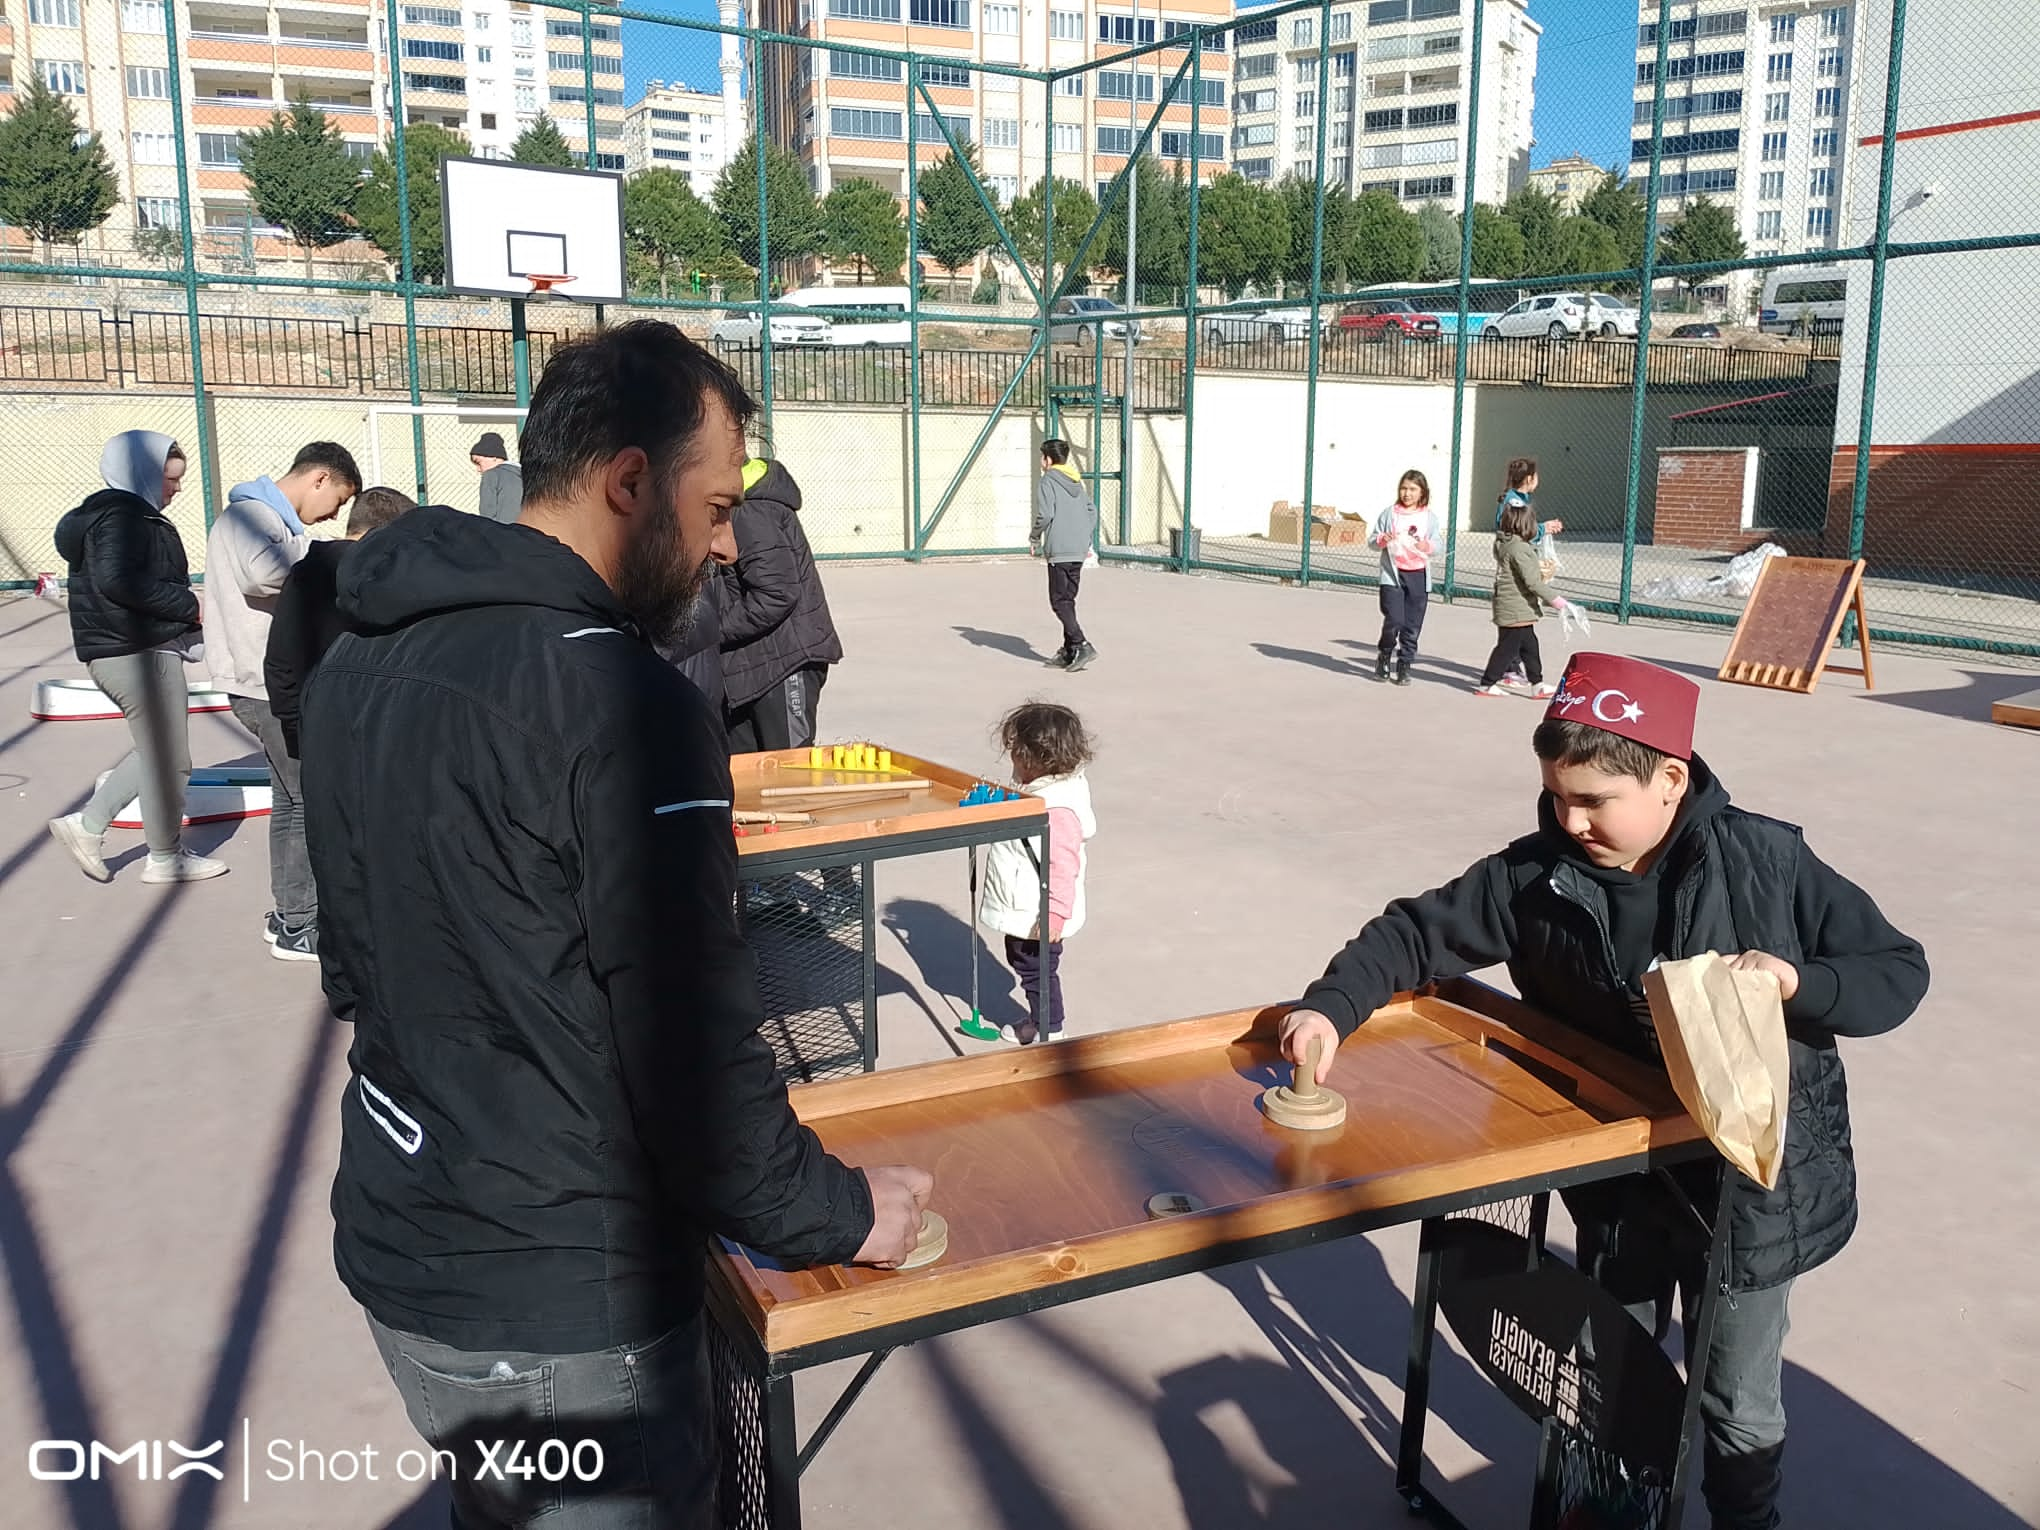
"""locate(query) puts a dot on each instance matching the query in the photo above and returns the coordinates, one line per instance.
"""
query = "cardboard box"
(1285, 523)
(1347, 531)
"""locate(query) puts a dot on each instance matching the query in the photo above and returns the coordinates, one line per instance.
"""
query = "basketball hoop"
(542, 286)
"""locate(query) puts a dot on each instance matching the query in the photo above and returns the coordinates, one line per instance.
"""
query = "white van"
(1804, 300)
(870, 315)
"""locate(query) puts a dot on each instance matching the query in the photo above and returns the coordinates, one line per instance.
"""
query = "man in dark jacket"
(520, 822)
(306, 621)
(1640, 858)
(777, 638)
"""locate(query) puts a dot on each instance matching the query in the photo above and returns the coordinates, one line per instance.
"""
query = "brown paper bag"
(1723, 1037)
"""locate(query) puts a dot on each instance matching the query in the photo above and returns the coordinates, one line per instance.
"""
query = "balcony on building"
(320, 30)
(227, 35)
(231, 98)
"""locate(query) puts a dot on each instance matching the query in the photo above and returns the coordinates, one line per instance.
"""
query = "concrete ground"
(168, 1093)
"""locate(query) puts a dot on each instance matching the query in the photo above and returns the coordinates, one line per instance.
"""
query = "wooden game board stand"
(2017, 711)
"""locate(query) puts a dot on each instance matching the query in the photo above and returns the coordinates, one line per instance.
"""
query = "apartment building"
(845, 113)
(673, 127)
(1757, 113)
(1568, 181)
(1399, 82)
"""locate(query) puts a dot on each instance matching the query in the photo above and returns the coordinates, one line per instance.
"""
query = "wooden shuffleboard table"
(808, 897)
(1117, 1160)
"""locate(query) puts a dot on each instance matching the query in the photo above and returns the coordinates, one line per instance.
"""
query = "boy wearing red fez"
(1639, 858)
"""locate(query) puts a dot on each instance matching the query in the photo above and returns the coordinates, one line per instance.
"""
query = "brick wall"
(1940, 510)
(1700, 492)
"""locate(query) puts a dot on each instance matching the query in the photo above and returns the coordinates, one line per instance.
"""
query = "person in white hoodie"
(250, 551)
(1049, 749)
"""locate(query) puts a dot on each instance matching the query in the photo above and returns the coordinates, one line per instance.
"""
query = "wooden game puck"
(1305, 1106)
(1172, 1203)
(932, 1244)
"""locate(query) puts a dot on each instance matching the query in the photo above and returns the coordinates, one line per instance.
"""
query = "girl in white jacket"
(1049, 749)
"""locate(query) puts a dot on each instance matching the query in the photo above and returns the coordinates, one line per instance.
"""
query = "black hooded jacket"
(1577, 939)
(130, 587)
(518, 817)
(775, 618)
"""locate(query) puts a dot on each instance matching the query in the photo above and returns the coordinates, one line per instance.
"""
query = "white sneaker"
(70, 832)
(1544, 690)
(183, 867)
(1490, 690)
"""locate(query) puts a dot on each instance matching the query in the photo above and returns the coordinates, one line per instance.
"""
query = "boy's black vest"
(1732, 879)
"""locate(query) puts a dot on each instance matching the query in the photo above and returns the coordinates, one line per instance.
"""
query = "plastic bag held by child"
(1722, 1033)
(1547, 555)
(1574, 615)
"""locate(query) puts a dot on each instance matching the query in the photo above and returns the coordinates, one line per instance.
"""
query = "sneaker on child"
(182, 867)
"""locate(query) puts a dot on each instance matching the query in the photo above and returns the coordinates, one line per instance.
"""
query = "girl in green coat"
(1521, 593)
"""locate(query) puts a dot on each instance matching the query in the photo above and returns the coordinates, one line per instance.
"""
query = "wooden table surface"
(929, 808)
(1044, 1158)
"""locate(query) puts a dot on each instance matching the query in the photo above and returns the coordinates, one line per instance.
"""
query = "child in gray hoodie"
(1065, 525)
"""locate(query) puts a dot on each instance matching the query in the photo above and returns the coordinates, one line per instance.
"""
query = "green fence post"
(914, 309)
(593, 159)
(407, 265)
(759, 144)
(520, 353)
(1190, 298)
(208, 476)
(1880, 245)
(1459, 348)
(1632, 492)
(1317, 287)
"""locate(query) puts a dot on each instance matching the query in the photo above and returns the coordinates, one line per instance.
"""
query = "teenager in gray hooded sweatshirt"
(1065, 525)
(135, 623)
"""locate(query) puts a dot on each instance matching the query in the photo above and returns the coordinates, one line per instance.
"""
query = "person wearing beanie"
(502, 480)
(1638, 858)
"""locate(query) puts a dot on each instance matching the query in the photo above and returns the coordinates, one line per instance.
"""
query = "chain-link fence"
(1750, 276)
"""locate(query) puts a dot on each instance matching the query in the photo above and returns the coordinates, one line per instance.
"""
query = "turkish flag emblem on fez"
(1639, 701)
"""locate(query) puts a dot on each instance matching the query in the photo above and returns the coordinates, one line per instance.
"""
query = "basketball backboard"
(507, 222)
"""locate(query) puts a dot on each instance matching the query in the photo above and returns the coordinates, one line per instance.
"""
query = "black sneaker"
(297, 945)
(1082, 658)
(272, 926)
(1402, 673)
(1060, 659)
(1381, 670)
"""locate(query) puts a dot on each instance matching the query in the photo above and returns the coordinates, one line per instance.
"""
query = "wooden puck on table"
(1305, 1106)
(932, 1244)
(1172, 1203)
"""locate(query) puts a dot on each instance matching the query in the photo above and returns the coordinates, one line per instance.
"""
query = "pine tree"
(51, 185)
(1242, 234)
(1027, 221)
(301, 177)
(1706, 231)
(956, 228)
(1441, 241)
(375, 209)
(1384, 241)
(670, 227)
(543, 144)
(793, 219)
(861, 223)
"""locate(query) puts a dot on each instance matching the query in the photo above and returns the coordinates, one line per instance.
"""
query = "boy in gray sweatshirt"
(1065, 525)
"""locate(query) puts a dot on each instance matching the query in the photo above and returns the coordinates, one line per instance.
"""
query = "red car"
(1390, 319)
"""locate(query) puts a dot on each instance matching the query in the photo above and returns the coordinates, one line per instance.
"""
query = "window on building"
(1120, 29)
(141, 15)
(1827, 101)
(1342, 135)
(1120, 85)
(479, 22)
(1255, 169)
(1254, 135)
(955, 76)
(863, 122)
(488, 122)
(1771, 186)
(1834, 22)
(1443, 115)
(1072, 85)
(1431, 10)
(597, 31)
(1305, 135)
(444, 84)
(64, 76)
(866, 10)
(1259, 67)
(1069, 138)
(1066, 26)
(53, 13)
(1177, 145)
(1778, 106)
(1303, 31)
(1712, 141)
(436, 16)
(526, 97)
(1382, 12)
(220, 150)
(1002, 20)
(520, 31)
(1384, 121)
(608, 161)
(152, 148)
(861, 66)
(1255, 101)
(574, 95)
(1771, 224)
(1830, 63)
(1115, 140)
(450, 52)
(1778, 68)
(1002, 133)
(1702, 66)
(1783, 28)
(1820, 222)
(1306, 103)
(485, 55)
(1342, 65)
(1004, 188)
(1821, 183)
(147, 84)
(1774, 147)
(1426, 186)
(929, 130)
(676, 156)
(156, 212)
(1304, 71)
(1826, 143)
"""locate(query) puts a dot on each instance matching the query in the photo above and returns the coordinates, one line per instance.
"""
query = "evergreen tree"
(543, 144)
(955, 226)
(1617, 205)
(1441, 241)
(1242, 234)
(301, 177)
(793, 218)
(51, 185)
(1706, 231)
(1497, 244)
(1027, 221)
(376, 210)
(861, 222)
(669, 228)
(1384, 242)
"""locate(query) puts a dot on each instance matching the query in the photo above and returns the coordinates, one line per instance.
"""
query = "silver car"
(1280, 324)
(737, 328)
(1081, 318)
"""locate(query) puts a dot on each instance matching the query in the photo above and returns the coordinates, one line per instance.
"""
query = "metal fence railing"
(1345, 292)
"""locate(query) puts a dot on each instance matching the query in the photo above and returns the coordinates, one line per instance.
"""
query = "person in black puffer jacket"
(777, 637)
(135, 623)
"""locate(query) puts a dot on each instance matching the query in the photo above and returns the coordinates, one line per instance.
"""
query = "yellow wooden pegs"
(861, 758)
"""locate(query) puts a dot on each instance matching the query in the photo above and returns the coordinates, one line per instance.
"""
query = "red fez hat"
(1629, 698)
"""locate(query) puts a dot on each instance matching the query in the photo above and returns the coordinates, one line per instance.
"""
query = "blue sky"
(1586, 60)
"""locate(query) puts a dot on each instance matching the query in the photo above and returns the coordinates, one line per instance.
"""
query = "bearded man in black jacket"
(519, 818)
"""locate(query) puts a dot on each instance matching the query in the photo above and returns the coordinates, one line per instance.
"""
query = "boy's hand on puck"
(1299, 1028)
(1762, 961)
(899, 1193)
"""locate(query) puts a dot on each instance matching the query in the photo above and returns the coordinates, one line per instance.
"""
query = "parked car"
(1388, 319)
(1556, 314)
(1610, 316)
(1697, 332)
(1279, 324)
(1080, 318)
(736, 328)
